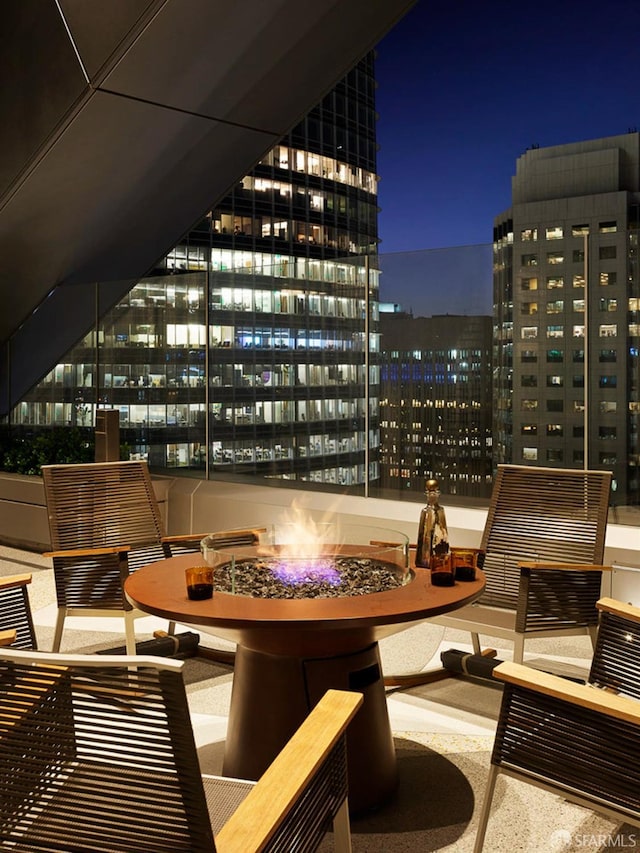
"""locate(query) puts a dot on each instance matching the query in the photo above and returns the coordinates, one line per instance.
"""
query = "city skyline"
(463, 93)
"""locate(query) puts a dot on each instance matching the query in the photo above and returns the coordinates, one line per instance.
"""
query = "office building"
(244, 349)
(435, 403)
(567, 319)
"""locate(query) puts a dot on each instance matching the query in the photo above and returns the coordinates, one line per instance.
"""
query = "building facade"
(567, 318)
(435, 403)
(252, 347)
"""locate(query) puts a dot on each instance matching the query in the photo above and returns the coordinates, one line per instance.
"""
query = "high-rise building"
(567, 311)
(435, 403)
(252, 346)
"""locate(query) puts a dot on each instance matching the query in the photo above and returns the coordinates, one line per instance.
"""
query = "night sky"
(466, 87)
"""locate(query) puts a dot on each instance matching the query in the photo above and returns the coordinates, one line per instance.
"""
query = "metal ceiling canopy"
(124, 122)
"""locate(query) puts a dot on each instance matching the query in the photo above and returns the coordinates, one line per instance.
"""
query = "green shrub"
(24, 452)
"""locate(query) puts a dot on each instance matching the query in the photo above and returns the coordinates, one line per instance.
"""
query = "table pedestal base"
(272, 695)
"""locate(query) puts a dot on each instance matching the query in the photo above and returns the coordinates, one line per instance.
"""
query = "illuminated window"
(529, 429)
(529, 308)
(608, 227)
(555, 429)
(555, 257)
(578, 306)
(608, 304)
(578, 280)
(579, 230)
(555, 281)
(554, 233)
(555, 355)
(608, 330)
(529, 261)
(529, 332)
(555, 307)
(607, 278)
(529, 454)
(555, 331)
(529, 234)
(555, 381)
(529, 283)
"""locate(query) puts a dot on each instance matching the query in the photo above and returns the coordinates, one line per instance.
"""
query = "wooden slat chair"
(97, 753)
(616, 662)
(104, 523)
(543, 545)
(16, 620)
(575, 739)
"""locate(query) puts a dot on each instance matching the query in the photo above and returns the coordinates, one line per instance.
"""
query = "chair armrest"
(584, 695)
(267, 804)
(570, 567)
(224, 536)
(183, 537)
(12, 581)
(89, 552)
(619, 608)
(7, 637)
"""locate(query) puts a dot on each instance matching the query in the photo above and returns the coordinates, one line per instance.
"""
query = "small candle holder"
(442, 573)
(465, 562)
(199, 582)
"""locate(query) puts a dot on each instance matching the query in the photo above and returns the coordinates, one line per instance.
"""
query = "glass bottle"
(432, 549)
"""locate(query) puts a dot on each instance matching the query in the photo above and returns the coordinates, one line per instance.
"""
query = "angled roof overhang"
(123, 122)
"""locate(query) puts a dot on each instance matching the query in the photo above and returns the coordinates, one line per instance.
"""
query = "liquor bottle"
(433, 539)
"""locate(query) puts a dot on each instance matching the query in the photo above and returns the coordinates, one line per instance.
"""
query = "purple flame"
(311, 570)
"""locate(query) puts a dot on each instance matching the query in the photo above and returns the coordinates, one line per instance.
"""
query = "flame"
(305, 549)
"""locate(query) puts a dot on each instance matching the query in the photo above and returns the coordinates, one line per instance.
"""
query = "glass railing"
(366, 375)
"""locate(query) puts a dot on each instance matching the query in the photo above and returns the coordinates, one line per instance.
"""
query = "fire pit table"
(291, 650)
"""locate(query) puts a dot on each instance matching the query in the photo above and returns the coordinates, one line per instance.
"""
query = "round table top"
(271, 624)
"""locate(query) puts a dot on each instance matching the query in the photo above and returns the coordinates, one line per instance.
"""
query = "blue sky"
(464, 88)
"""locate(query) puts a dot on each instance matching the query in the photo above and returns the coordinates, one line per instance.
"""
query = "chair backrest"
(15, 611)
(541, 514)
(616, 663)
(569, 738)
(103, 504)
(98, 756)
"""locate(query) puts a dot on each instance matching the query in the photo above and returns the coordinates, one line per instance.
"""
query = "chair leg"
(486, 809)
(475, 642)
(57, 634)
(130, 633)
(342, 830)
(518, 649)
(171, 628)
